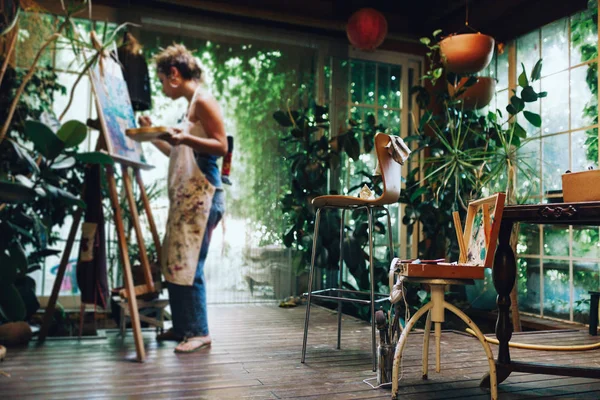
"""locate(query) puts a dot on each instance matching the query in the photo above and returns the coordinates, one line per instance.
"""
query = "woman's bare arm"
(163, 146)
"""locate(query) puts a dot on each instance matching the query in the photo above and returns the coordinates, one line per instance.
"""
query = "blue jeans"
(188, 303)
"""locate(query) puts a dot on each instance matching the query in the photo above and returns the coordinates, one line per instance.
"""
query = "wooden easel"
(130, 292)
(148, 287)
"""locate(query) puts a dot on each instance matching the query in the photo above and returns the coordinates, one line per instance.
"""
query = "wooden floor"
(256, 355)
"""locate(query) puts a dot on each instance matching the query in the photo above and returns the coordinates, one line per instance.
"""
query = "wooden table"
(505, 272)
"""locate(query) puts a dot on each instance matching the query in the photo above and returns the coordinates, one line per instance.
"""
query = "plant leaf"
(511, 109)
(24, 156)
(44, 140)
(371, 120)
(65, 196)
(25, 181)
(283, 118)
(8, 269)
(352, 147)
(94, 157)
(15, 193)
(523, 82)
(536, 72)
(12, 306)
(529, 95)
(72, 133)
(417, 193)
(19, 258)
(64, 163)
(519, 131)
(517, 103)
(533, 118)
(425, 41)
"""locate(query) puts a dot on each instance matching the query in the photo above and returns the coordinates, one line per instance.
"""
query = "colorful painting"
(477, 249)
(115, 112)
(482, 228)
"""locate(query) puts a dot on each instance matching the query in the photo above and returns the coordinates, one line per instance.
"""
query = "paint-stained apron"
(190, 200)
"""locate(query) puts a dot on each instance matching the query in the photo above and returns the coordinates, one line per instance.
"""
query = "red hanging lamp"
(366, 29)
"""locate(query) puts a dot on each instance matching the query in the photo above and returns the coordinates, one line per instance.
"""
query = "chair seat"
(344, 201)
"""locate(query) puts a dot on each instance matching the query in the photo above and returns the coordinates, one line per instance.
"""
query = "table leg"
(504, 274)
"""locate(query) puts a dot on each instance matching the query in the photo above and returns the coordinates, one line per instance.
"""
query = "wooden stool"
(435, 313)
(152, 312)
(594, 299)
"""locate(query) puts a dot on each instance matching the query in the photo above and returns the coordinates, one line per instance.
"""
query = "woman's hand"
(174, 136)
(144, 121)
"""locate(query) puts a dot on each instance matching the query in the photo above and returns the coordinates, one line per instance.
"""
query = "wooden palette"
(146, 134)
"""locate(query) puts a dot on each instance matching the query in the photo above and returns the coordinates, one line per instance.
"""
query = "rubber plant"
(40, 172)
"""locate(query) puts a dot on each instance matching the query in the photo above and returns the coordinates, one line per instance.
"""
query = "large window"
(378, 87)
(559, 264)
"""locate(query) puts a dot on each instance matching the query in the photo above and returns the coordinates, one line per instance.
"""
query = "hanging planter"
(366, 29)
(467, 53)
(475, 96)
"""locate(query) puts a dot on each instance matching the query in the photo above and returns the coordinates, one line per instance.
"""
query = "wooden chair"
(478, 245)
(390, 171)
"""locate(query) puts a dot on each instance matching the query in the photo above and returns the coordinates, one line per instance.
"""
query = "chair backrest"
(390, 171)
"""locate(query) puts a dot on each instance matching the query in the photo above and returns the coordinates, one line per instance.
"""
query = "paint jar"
(385, 363)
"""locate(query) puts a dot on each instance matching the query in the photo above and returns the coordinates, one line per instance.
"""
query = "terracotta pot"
(476, 96)
(467, 53)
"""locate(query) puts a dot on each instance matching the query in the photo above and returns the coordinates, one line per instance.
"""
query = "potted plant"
(473, 96)
(467, 53)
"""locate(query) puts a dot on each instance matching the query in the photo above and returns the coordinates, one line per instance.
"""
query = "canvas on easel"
(115, 112)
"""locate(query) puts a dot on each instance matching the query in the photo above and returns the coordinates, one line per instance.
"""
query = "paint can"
(385, 363)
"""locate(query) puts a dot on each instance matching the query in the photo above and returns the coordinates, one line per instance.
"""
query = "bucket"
(385, 363)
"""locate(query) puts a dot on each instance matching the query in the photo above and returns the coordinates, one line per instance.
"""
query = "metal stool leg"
(339, 336)
(372, 276)
(310, 282)
(390, 236)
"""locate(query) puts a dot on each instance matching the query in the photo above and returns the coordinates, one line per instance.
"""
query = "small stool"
(152, 312)
(435, 309)
(594, 298)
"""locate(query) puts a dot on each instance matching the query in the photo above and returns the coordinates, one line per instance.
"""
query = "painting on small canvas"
(482, 228)
(115, 111)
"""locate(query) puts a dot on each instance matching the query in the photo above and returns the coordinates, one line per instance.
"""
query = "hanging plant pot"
(476, 96)
(467, 53)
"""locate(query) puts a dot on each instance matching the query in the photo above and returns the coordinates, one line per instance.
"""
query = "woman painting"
(196, 197)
